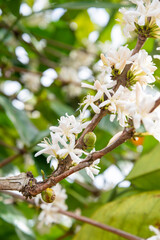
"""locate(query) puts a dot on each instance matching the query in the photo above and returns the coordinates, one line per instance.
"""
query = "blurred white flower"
(156, 231)
(31, 81)
(69, 74)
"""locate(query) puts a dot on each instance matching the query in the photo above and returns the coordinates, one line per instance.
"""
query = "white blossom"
(69, 125)
(117, 104)
(117, 58)
(143, 68)
(89, 101)
(145, 9)
(101, 88)
(141, 108)
(156, 231)
(69, 149)
(49, 147)
(49, 211)
(93, 169)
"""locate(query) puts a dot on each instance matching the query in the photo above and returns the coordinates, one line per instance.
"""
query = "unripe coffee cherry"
(48, 195)
(89, 139)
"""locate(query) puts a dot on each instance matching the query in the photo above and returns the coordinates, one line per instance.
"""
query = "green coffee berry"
(48, 195)
(89, 139)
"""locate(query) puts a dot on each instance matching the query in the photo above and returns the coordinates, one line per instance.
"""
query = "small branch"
(122, 78)
(8, 146)
(157, 103)
(9, 159)
(16, 183)
(101, 225)
(140, 42)
(20, 69)
(60, 44)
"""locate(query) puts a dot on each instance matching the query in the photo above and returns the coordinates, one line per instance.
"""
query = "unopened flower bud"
(115, 138)
(89, 139)
(48, 195)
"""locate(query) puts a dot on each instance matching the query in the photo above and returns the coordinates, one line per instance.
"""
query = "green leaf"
(146, 172)
(11, 215)
(60, 108)
(88, 4)
(25, 128)
(14, 7)
(133, 214)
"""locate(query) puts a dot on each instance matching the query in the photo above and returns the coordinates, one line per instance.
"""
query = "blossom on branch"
(69, 126)
(117, 59)
(145, 19)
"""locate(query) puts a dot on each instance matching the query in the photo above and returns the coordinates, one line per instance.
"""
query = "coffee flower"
(141, 108)
(117, 59)
(68, 126)
(50, 147)
(117, 104)
(89, 101)
(101, 88)
(69, 149)
(143, 68)
(145, 19)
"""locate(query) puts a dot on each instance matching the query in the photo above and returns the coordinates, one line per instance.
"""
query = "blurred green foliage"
(33, 40)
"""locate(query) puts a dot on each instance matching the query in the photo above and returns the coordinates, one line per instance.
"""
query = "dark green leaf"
(25, 128)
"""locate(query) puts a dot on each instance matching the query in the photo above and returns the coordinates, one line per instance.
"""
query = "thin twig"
(157, 103)
(8, 146)
(9, 159)
(20, 69)
(105, 227)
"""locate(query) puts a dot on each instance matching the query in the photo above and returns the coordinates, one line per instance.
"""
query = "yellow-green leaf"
(133, 214)
(146, 172)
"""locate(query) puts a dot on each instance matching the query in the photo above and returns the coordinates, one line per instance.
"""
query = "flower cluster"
(130, 102)
(63, 142)
(145, 19)
(49, 212)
